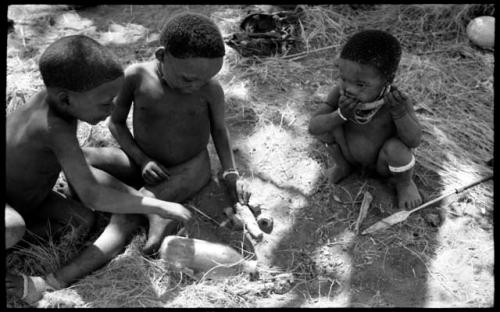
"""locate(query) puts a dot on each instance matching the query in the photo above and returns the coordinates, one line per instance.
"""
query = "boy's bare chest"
(160, 103)
(381, 126)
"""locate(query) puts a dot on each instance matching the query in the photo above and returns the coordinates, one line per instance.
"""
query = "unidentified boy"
(369, 122)
(177, 106)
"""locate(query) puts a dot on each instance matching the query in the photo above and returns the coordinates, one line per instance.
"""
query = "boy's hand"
(347, 106)
(153, 172)
(176, 211)
(237, 188)
(397, 102)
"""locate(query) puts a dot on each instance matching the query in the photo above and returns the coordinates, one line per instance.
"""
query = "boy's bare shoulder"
(137, 70)
(32, 116)
(213, 90)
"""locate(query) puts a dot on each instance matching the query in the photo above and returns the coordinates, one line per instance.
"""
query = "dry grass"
(452, 86)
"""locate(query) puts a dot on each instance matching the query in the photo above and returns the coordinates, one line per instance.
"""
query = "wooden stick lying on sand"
(363, 210)
(403, 215)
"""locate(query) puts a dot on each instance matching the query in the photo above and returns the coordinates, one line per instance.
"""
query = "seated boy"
(177, 105)
(369, 122)
(81, 79)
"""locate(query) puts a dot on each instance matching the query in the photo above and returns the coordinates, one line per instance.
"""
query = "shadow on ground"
(314, 234)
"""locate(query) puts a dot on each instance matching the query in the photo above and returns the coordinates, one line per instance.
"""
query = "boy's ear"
(63, 98)
(160, 54)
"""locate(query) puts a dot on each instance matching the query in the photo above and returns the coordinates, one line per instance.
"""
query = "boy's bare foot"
(30, 288)
(158, 229)
(341, 168)
(408, 195)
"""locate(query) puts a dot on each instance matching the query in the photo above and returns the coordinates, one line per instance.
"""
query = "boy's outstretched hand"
(153, 172)
(397, 102)
(237, 189)
(176, 211)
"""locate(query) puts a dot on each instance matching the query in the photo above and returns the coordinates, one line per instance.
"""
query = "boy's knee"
(15, 227)
(99, 156)
(126, 223)
(393, 147)
(397, 156)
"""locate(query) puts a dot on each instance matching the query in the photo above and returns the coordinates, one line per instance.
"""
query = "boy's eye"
(361, 85)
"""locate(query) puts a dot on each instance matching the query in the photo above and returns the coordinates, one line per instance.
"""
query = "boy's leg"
(115, 162)
(396, 160)
(185, 180)
(59, 212)
(341, 167)
(15, 227)
(53, 214)
(108, 245)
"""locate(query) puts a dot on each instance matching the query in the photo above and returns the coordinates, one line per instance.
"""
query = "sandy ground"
(418, 264)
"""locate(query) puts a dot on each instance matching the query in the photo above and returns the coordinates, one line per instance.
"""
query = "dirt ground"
(419, 263)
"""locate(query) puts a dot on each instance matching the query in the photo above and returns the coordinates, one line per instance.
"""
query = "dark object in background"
(10, 26)
(266, 31)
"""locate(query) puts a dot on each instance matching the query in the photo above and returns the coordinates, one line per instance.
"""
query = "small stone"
(433, 219)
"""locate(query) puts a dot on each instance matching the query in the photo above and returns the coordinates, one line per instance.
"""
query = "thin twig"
(203, 214)
(294, 57)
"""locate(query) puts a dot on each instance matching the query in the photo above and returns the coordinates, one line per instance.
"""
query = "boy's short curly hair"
(78, 63)
(374, 47)
(187, 35)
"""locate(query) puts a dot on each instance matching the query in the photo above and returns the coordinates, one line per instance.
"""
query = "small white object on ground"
(481, 31)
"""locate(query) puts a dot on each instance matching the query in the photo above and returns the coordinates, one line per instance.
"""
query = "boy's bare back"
(31, 166)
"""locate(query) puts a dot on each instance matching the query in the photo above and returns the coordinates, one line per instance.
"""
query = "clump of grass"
(425, 27)
(323, 26)
(42, 257)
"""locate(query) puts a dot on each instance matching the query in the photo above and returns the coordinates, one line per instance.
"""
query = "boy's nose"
(350, 92)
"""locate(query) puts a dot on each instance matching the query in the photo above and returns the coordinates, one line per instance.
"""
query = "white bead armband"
(340, 115)
(230, 171)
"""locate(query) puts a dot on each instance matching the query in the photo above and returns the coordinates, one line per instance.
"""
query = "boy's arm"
(407, 125)
(326, 118)
(220, 135)
(118, 121)
(64, 144)
(218, 128)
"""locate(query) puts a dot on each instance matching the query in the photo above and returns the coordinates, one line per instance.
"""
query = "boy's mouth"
(366, 111)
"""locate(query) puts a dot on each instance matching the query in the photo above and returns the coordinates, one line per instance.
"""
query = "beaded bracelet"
(340, 115)
(230, 171)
